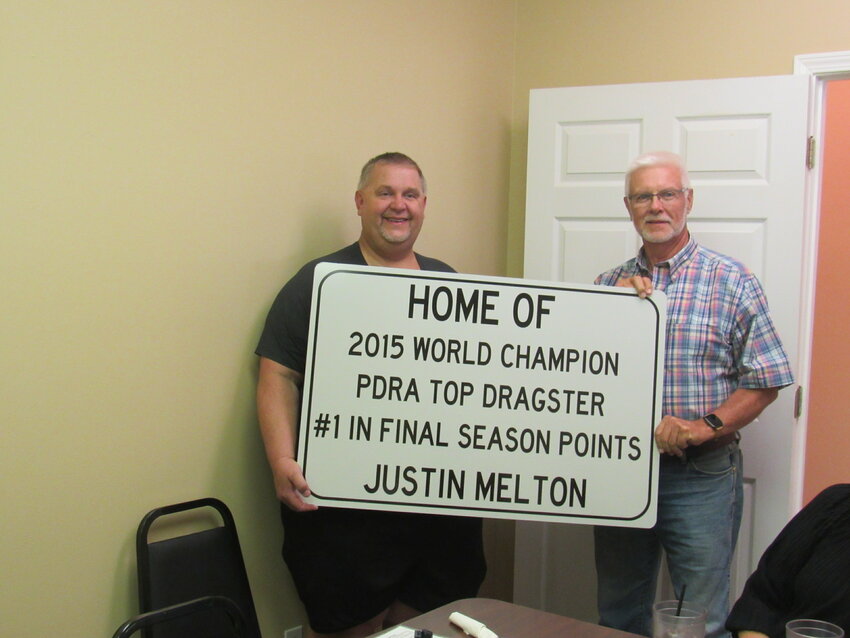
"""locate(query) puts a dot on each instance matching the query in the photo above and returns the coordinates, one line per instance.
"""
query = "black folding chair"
(186, 614)
(190, 566)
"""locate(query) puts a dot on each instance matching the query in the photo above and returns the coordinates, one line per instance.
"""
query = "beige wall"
(165, 166)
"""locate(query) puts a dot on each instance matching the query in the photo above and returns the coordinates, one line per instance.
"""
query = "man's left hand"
(641, 284)
(673, 435)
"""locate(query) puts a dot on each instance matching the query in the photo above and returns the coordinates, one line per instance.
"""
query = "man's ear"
(626, 202)
(358, 200)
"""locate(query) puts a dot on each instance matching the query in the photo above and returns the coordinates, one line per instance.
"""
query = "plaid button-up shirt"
(720, 336)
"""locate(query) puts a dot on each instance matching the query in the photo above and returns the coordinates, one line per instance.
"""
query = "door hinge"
(798, 402)
(810, 152)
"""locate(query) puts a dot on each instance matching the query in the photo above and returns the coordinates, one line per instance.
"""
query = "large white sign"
(482, 396)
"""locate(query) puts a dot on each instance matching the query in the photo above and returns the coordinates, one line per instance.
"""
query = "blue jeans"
(700, 503)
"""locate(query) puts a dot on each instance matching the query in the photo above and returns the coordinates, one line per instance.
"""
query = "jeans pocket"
(716, 463)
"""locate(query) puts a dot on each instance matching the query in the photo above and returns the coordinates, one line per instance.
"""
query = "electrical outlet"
(294, 632)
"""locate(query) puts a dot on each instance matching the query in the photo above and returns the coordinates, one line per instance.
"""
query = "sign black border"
(461, 278)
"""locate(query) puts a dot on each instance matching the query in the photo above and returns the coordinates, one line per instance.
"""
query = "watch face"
(713, 421)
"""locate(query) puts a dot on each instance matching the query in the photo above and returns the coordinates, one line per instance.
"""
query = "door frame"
(821, 68)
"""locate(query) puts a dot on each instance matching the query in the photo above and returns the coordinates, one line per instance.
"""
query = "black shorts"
(350, 565)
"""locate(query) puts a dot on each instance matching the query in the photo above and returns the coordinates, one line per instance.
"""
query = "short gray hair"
(389, 158)
(658, 158)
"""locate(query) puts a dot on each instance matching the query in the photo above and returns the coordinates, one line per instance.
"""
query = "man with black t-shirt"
(357, 571)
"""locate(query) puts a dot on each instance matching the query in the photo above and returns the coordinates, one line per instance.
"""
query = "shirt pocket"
(697, 342)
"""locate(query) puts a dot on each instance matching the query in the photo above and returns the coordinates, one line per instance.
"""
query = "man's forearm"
(278, 396)
(674, 434)
(743, 406)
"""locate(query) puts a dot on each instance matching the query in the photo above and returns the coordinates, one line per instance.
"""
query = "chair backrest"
(192, 565)
(188, 614)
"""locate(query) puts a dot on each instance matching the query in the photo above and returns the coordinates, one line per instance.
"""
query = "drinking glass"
(808, 628)
(669, 620)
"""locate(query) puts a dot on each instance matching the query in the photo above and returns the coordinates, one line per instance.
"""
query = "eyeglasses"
(666, 196)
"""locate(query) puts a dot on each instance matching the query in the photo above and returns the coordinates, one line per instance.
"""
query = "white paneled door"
(744, 142)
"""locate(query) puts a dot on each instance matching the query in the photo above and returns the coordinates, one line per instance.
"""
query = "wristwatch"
(713, 421)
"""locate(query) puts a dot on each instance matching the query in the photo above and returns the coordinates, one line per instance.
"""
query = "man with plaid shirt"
(724, 363)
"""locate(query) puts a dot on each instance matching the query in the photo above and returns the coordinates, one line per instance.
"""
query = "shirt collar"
(675, 262)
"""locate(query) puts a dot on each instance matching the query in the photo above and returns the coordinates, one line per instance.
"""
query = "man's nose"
(399, 202)
(655, 202)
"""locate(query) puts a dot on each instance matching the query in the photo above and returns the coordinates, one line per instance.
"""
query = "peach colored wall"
(828, 438)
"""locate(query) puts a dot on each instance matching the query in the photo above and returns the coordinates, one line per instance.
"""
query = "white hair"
(658, 158)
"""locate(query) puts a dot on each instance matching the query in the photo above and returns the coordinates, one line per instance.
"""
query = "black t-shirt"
(805, 573)
(284, 337)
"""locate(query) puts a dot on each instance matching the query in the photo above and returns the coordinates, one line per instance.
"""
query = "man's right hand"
(290, 486)
(643, 285)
